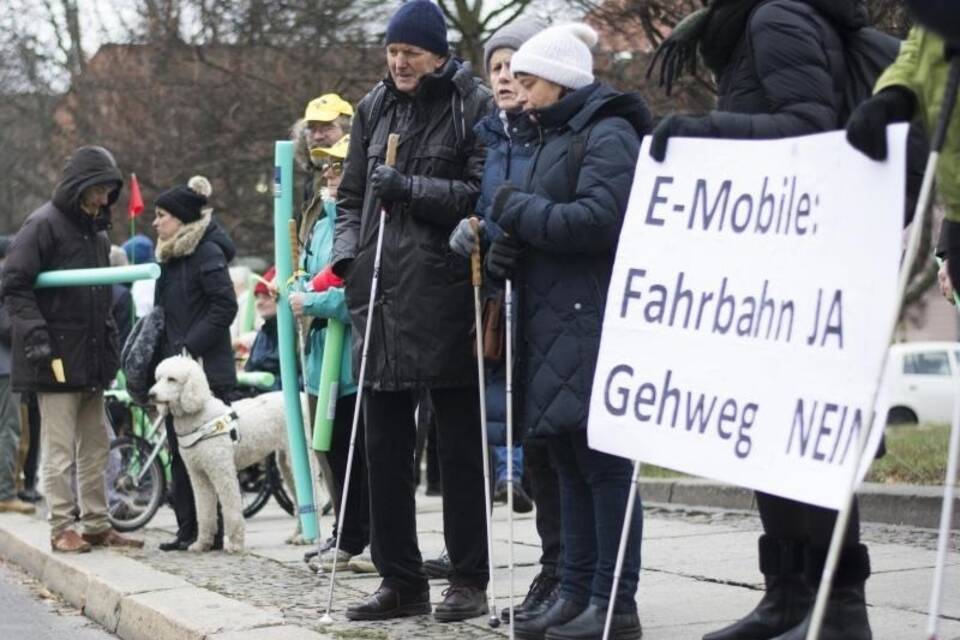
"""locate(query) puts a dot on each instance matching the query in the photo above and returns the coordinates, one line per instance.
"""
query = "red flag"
(135, 206)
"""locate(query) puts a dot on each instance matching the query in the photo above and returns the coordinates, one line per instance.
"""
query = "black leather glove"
(37, 349)
(390, 185)
(503, 257)
(675, 126)
(867, 126)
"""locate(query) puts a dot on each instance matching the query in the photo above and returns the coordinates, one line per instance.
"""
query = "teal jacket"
(328, 304)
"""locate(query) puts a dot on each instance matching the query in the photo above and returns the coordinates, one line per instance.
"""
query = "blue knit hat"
(420, 23)
(139, 249)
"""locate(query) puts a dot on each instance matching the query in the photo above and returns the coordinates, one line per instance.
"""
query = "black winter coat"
(198, 299)
(78, 321)
(786, 74)
(570, 231)
(424, 313)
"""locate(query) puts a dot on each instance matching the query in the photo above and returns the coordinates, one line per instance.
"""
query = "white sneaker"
(323, 563)
(362, 564)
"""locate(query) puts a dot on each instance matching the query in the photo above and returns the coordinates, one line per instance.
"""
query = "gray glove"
(463, 240)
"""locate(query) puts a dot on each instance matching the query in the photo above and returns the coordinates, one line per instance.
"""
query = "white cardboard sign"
(748, 311)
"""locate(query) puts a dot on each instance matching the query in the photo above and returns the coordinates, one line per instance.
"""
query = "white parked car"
(925, 382)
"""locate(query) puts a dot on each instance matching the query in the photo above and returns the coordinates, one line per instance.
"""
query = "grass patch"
(916, 454)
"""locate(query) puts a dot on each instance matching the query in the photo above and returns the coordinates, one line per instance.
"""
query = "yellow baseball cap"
(338, 151)
(327, 108)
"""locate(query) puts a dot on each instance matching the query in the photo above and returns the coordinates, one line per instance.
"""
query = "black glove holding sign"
(867, 126)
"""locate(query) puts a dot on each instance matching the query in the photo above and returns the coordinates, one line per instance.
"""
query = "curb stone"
(911, 505)
(133, 600)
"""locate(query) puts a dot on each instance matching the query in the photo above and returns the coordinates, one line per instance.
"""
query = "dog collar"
(220, 426)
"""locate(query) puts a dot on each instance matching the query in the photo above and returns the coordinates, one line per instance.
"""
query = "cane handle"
(393, 141)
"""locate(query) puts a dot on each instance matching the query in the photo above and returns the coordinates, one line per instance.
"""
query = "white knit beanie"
(560, 54)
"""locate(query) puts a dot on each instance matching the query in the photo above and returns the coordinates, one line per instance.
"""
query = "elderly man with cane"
(420, 315)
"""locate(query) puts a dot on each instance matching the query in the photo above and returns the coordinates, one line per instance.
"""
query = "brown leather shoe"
(16, 506)
(111, 538)
(69, 541)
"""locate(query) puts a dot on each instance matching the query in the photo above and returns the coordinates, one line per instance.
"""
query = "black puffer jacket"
(59, 235)
(786, 73)
(424, 312)
(198, 299)
(570, 231)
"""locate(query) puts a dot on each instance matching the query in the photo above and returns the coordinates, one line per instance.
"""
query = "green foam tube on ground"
(286, 334)
(329, 388)
(97, 276)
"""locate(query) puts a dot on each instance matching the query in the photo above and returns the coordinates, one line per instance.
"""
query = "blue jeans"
(593, 498)
(500, 453)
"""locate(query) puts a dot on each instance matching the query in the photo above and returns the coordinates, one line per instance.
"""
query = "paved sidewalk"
(699, 573)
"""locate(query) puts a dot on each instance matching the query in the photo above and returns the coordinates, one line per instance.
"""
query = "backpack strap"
(376, 110)
(575, 153)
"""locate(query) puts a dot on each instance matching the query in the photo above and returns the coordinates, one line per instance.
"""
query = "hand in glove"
(683, 126)
(463, 240)
(37, 348)
(325, 280)
(390, 185)
(503, 257)
(867, 126)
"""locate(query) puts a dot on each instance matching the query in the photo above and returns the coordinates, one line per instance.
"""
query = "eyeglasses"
(336, 168)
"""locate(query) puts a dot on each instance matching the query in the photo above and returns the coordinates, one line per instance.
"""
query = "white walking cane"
(919, 221)
(946, 514)
(392, 141)
(476, 277)
(508, 294)
(622, 549)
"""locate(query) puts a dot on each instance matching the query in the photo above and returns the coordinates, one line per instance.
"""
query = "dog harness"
(225, 425)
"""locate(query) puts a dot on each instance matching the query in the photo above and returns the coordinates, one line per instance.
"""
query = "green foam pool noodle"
(248, 321)
(329, 388)
(257, 379)
(286, 338)
(97, 276)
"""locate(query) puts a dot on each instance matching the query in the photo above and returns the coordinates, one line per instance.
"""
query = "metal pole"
(392, 141)
(919, 222)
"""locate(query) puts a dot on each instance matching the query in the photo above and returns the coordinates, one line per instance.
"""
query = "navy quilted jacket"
(570, 230)
(785, 77)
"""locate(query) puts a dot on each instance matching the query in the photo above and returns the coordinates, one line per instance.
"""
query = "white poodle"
(216, 440)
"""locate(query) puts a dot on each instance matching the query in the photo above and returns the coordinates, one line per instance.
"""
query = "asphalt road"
(28, 612)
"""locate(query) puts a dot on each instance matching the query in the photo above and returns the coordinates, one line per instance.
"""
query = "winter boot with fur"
(786, 601)
(846, 615)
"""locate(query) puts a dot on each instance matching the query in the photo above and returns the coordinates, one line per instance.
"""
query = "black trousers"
(785, 518)
(354, 525)
(546, 496)
(391, 440)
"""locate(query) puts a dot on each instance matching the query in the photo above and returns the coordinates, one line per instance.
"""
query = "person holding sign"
(65, 344)
(561, 226)
(776, 65)
(423, 312)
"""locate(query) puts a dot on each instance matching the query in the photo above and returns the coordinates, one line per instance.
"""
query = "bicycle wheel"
(134, 491)
(254, 487)
(278, 487)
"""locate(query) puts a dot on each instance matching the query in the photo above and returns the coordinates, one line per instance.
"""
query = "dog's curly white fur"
(181, 387)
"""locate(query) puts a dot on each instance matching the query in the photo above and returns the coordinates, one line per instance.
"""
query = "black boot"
(589, 625)
(388, 602)
(846, 614)
(544, 591)
(787, 600)
(562, 612)
(461, 602)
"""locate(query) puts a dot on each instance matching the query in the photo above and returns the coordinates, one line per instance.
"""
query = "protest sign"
(749, 310)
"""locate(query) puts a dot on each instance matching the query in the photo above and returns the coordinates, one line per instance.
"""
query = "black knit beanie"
(420, 23)
(182, 202)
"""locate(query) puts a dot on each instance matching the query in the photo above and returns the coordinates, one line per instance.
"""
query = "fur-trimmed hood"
(189, 237)
(301, 150)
